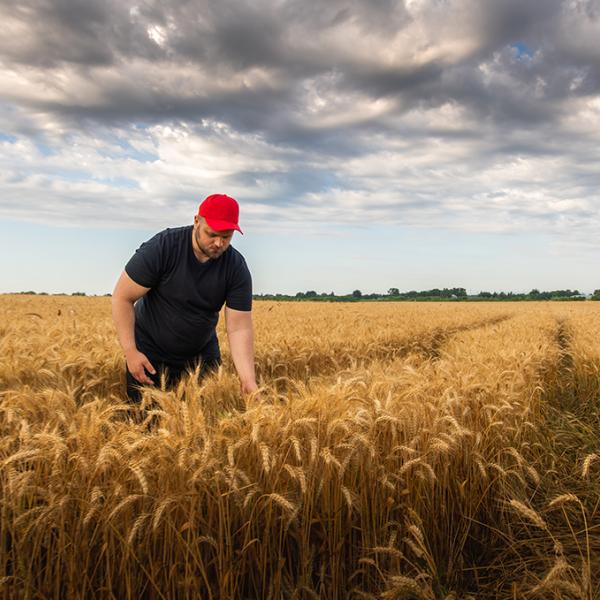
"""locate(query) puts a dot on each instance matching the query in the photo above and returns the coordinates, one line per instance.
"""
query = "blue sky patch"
(44, 149)
(7, 137)
(523, 50)
(119, 182)
(127, 150)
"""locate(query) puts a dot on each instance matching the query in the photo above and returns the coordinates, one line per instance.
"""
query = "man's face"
(209, 242)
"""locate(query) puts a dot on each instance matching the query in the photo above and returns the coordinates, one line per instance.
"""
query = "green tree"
(357, 294)
(393, 292)
(459, 292)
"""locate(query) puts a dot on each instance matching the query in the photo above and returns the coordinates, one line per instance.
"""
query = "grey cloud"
(49, 32)
(513, 21)
(414, 81)
(226, 39)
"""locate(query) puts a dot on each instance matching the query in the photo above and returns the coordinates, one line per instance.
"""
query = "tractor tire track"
(272, 368)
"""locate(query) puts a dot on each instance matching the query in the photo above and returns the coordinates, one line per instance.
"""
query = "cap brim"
(222, 225)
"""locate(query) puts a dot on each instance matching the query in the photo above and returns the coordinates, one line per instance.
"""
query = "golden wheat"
(379, 459)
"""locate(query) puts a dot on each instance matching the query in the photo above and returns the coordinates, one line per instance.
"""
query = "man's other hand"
(138, 364)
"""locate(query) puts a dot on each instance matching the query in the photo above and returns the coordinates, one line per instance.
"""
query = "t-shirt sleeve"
(146, 266)
(239, 291)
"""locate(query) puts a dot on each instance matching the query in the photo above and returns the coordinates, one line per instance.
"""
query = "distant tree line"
(32, 293)
(445, 294)
(457, 292)
(535, 294)
(394, 294)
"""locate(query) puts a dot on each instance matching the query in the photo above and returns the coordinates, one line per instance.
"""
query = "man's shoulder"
(166, 244)
(234, 265)
(174, 234)
(170, 238)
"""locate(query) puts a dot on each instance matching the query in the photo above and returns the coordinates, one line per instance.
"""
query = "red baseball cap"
(221, 212)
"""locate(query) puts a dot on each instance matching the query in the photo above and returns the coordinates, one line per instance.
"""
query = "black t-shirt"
(175, 321)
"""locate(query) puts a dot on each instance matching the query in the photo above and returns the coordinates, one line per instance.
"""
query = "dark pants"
(171, 373)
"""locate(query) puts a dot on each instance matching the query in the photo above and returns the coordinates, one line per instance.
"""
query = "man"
(166, 302)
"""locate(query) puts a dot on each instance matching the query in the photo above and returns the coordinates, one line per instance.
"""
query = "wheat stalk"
(528, 513)
(587, 462)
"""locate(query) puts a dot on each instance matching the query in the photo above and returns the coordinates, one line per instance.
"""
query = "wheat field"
(396, 450)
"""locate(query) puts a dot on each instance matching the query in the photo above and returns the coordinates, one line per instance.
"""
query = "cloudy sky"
(371, 144)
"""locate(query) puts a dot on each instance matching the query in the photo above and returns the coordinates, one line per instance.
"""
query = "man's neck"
(200, 256)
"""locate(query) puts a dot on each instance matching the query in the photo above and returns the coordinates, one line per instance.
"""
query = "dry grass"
(397, 451)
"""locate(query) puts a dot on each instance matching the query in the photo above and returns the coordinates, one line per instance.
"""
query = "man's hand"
(248, 387)
(138, 364)
(124, 296)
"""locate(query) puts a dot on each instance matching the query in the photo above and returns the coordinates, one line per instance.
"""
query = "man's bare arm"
(125, 294)
(241, 343)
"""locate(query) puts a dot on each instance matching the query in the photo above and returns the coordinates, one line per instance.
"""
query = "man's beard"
(210, 254)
